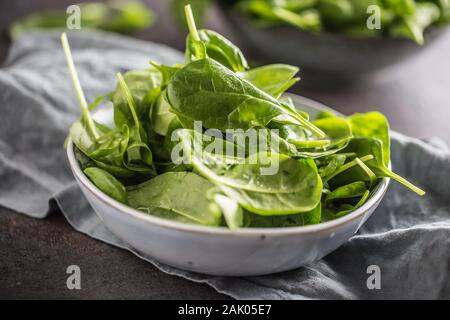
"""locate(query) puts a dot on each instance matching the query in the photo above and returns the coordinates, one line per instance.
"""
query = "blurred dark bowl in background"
(325, 54)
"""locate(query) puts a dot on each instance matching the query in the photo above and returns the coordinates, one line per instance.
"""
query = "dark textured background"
(34, 254)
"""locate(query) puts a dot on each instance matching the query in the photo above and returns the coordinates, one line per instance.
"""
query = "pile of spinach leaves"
(327, 167)
(398, 18)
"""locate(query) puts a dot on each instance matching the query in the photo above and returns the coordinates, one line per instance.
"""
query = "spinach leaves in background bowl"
(327, 166)
(116, 16)
(398, 18)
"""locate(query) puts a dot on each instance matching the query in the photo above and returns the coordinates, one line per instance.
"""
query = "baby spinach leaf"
(115, 169)
(311, 217)
(337, 135)
(81, 137)
(107, 152)
(140, 84)
(284, 221)
(273, 79)
(252, 173)
(294, 187)
(169, 143)
(107, 183)
(182, 193)
(372, 177)
(83, 160)
(204, 90)
(231, 210)
(342, 209)
(280, 203)
(351, 190)
(338, 130)
(347, 166)
(139, 156)
(413, 26)
(207, 43)
(364, 146)
(195, 48)
(372, 125)
(218, 48)
(346, 210)
(161, 116)
(335, 162)
(288, 102)
(167, 214)
(326, 114)
(271, 204)
(166, 72)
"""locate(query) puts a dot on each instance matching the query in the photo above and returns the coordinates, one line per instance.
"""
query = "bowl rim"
(82, 179)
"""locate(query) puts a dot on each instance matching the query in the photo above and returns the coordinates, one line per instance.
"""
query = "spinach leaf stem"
(86, 115)
(348, 166)
(191, 23)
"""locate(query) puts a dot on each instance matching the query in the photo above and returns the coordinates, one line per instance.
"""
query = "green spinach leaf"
(273, 79)
(372, 125)
(204, 90)
(181, 193)
(218, 48)
(107, 183)
(140, 84)
(364, 146)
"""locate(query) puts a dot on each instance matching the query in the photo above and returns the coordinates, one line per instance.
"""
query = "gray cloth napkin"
(408, 237)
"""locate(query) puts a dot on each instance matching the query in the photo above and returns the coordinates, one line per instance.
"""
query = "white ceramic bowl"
(218, 250)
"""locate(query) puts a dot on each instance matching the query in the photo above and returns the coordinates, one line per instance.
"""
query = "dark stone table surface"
(34, 254)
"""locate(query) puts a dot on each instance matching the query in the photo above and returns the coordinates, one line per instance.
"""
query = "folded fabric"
(408, 237)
